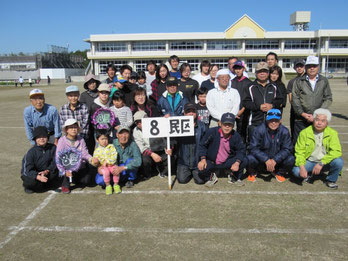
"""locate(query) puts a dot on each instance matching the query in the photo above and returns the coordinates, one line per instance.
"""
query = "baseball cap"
(273, 114)
(104, 87)
(228, 118)
(261, 66)
(139, 115)
(172, 81)
(118, 79)
(35, 92)
(312, 60)
(238, 64)
(190, 106)
(122, 127)
(71, 88)
(299, 61)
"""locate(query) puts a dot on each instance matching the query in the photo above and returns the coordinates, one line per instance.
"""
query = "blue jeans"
(334, 168)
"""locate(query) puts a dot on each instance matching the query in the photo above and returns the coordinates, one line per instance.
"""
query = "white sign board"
(168, 127)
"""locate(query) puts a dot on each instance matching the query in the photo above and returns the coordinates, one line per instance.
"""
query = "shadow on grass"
(340, 116)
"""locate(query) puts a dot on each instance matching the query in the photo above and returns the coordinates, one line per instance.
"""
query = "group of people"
(237, 127)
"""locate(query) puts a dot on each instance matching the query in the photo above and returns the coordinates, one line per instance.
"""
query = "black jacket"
(39, 159)
(257, 95)
(242, 87)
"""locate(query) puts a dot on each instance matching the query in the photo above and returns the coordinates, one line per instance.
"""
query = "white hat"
(70, 122)
(312, 60)
(35, 92)
(222, 72)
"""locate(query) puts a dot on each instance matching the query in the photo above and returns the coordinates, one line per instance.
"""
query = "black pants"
(299, 125)
(254, 165)
(83, 177)
(148, 164)
(37, 186)
(184, 174)
(242, 125)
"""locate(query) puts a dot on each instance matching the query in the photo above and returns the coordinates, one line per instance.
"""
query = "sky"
(30, 26)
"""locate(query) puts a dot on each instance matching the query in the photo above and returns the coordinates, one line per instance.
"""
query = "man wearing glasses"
(270, 148)
(40, 113)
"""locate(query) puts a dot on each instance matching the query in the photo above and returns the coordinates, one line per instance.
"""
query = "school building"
(244, 39)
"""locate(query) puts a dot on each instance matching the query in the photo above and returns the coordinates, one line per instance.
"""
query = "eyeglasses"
(274, 114)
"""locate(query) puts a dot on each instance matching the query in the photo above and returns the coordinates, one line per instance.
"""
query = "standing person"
(40, 113)
(111, 71)
(174, 64)
(275, 77)
(129, 157)
(222, 98)
(91, 86)
(39, 170)
(261, 97)
(209, 84)
(222, 148)
(30, 81)
(270, 148)
(172, 101)
(140, 103)
(75, 110)
(310, 92)
(103, 100)
(318, 149)
(48, 80)
(21, 81)
(159, 84)
(231, 61)
(204, 74)
(187, 85)
(127, 87)
(150, 74)
(121, 111)
(72, 139)
(272, 60)
(202, 111)
(241, 83)
(299, 67)
(188, 149)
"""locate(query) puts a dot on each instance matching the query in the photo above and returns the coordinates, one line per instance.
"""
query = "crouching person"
(222, 148)
(39, 171)
(71, 140)
(129, 157)
(318, 149)
(152, 149)
(270, 148)
(188, 149)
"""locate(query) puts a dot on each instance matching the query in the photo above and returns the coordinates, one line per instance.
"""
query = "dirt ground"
(265, 220)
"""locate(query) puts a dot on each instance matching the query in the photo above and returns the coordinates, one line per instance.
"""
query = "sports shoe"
(252, 178)
(332, 185)
(212, 180)
(108, 190)
(162, 175)
(65, 190)
(28, 191)
(279, 178)
(129, 184)
(308, 180)
(231, 179)
(117, 189)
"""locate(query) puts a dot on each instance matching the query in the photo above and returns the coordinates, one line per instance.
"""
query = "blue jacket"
(209, 145)
(165, 106)
(188, 147)
(263, 146)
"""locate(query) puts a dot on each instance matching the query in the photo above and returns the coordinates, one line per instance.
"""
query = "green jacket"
(130, 151)
(305, 145)
(304, 99)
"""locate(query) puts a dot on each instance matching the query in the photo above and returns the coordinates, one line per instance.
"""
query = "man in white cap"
(222, 98)
(310, 92)
(40, 113)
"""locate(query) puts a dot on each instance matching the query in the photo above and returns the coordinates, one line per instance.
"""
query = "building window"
(222, 63)
(223, 45)
(338, 65)
(251, 63)
(301, 44)
(287, 63)
(112, 47)
(261, 44)
(343, 43)
(140, 65)
(104, 64)
(186, 45)
(194, 64)
(148, 46)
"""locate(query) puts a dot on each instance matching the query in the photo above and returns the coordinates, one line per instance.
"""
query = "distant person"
(39, 170)
(209, 83)
(204, 72)
(318, 149)
(40, 113)
(187, 85)
(16, 82)
(310, 92)
(38, 80)
(174, 64)
(21, 81)
(150, 74)
(48, 80)
(30, 81)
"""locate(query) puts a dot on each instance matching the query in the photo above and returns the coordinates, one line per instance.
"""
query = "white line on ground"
(27, 220)
(184, 230)
(6, 127)
(216, 192)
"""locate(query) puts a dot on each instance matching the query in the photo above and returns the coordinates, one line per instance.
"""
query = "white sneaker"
(213, 179)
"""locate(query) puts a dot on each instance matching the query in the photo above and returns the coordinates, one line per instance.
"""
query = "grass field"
(264, 220)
